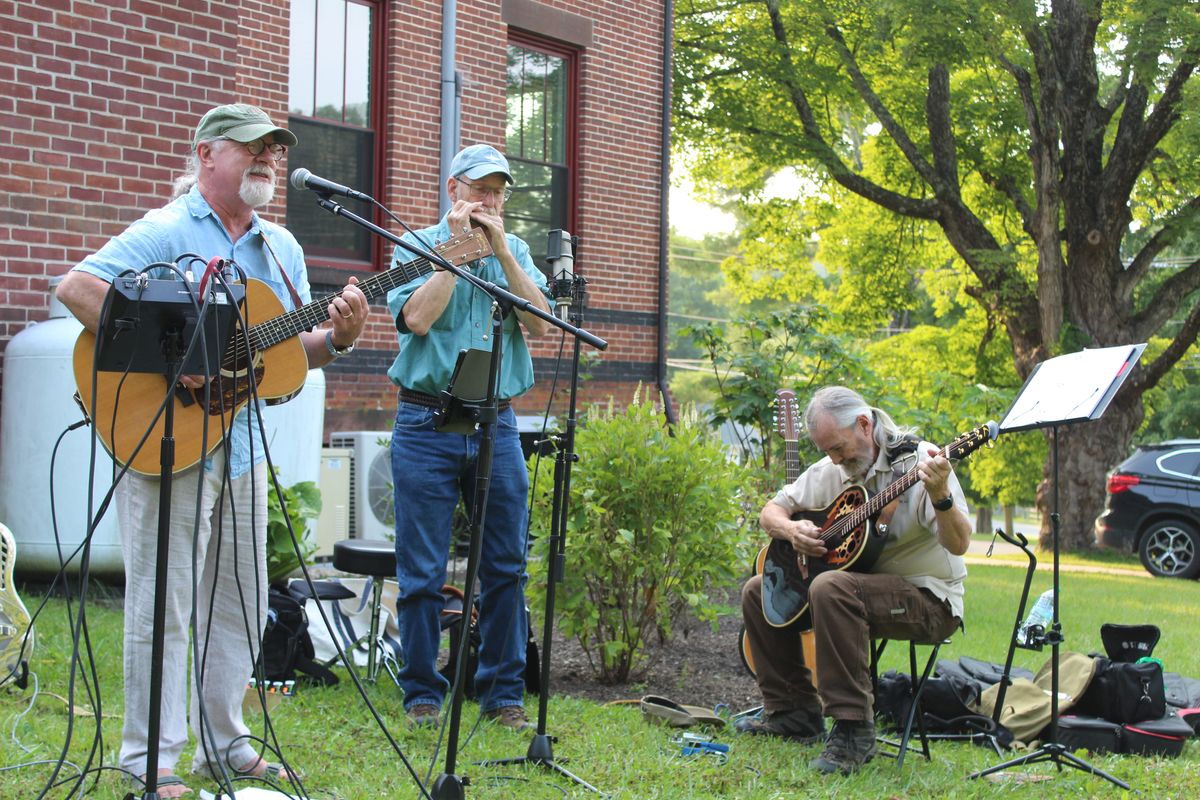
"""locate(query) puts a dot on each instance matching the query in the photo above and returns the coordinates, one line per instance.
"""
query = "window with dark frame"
(540, 143)
(330, 109)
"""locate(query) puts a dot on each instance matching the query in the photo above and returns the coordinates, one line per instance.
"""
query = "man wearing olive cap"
(438, 315)
(217, 543)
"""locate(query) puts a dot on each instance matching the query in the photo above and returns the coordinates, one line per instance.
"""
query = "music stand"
(145, 323)
(1062, 391)
(163, 326)
(464, 401)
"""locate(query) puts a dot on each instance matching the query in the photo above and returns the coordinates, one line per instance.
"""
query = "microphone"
(559, 251)
(304, 179)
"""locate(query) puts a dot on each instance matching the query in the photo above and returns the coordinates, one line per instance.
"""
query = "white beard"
(254, 193)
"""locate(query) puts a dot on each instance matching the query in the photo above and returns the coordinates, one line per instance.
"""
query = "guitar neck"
(877, 503)
(960, 448)
(791, 460)
(285, 326)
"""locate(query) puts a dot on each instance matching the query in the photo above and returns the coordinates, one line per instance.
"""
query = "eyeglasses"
(480, 191)
(255, 148)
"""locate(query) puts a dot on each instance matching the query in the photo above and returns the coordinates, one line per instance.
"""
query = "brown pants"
(848, 610)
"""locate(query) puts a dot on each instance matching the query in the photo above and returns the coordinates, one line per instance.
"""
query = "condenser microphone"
(304, 179)
(561, 257)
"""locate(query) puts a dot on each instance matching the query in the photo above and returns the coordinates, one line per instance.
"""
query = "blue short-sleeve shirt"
(425, 363)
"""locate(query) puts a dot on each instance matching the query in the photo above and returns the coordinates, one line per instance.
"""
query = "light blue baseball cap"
(478, 160)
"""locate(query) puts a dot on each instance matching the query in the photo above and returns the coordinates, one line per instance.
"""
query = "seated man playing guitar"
(914, 590)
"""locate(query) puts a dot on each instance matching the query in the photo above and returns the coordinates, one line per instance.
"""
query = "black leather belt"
(429, 401)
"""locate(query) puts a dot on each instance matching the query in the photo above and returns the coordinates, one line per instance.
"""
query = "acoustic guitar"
(127, 407)
(788, 428)
(15, 646)
(848, 531)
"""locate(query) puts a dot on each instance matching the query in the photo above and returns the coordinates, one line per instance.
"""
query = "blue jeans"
(430, 470)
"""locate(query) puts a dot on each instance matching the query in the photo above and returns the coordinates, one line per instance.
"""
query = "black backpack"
(287, 647)
(452, 620)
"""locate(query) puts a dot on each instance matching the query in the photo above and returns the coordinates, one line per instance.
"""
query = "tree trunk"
(1086, 451)
(983, 518)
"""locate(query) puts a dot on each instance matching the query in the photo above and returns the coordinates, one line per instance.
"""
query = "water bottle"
(1042, 614)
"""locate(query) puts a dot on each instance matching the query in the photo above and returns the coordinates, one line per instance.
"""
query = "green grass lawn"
(330, 736)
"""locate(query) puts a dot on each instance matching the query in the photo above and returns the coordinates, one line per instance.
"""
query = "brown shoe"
(801, 725)
(850, 745)
(423, 715)
(512, 717)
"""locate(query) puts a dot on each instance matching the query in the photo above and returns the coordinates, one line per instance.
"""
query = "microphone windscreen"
(300, 177)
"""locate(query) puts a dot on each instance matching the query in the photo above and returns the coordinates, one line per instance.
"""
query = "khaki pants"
(848, 610)
(227, 561)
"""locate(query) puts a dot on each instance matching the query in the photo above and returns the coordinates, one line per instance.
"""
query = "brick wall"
(98, 101)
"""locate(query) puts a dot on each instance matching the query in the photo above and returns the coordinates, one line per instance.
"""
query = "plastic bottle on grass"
(1041, 614)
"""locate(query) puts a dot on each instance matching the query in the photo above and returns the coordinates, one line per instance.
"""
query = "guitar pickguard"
(16, 638)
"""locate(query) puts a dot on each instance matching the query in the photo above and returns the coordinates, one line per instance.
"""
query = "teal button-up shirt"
(425, 363)
(189, 225)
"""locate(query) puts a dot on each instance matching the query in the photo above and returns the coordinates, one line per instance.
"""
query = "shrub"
(303, 501)
(654, 523)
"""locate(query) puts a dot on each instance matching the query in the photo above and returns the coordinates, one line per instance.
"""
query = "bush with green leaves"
(303, 501)
(655, 522)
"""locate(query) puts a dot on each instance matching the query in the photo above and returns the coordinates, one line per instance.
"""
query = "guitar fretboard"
(791, 460)
(285, 326)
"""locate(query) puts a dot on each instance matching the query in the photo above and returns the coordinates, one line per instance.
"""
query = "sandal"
(164, 780)
(271, 772)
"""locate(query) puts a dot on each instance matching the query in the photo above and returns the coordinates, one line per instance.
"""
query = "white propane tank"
(38, 405)
(294, 432)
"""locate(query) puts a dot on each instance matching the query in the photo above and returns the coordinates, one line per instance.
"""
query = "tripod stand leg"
(1058, 755)
(541, 751)
(541, 754)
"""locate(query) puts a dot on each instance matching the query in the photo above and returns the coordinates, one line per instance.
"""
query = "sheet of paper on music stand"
(1071, 388)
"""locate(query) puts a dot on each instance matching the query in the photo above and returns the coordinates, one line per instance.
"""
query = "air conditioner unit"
(371, 512)
(333, 480)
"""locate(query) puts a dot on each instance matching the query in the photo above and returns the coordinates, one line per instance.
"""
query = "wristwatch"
(334, 350)
(945, 504)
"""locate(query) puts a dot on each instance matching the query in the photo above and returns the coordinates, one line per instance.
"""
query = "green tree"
(1035, 157)
(759, 353)
(697, 288)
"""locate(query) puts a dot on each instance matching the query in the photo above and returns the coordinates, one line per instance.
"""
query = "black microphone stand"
(448, 785)
(116, 355)
(172, 357)
(541, 748)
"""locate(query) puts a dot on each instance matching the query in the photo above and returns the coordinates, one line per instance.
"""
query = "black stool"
(377, 559)
(918, 686)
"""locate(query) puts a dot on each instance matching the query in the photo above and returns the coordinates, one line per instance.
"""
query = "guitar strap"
(296, 301)
(885, 516)
(896, 455)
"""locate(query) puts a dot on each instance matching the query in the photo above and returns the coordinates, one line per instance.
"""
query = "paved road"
(977, 553)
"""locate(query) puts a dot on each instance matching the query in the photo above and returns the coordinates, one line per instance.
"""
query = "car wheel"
(1171, 549)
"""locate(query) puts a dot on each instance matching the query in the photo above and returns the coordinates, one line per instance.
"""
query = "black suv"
(1153, 508)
